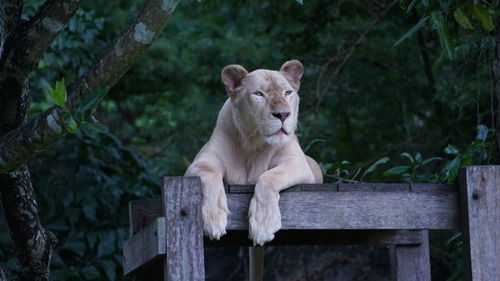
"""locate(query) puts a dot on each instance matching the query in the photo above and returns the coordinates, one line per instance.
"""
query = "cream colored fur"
(251, 144)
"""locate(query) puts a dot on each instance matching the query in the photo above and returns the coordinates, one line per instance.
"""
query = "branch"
(26, 141)
(25, 47)
(125, 50)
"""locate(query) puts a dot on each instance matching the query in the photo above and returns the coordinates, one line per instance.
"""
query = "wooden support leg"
(411, 262)
(256, 260)
(181, 204)
(480, 214)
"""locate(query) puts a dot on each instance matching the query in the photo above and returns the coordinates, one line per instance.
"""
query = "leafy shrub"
(84, 185)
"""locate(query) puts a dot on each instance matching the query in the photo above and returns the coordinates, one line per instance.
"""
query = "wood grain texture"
(379, 187)
(181, 202)
(480, 202)
(411, 262)
(144, 247)
(142, 213)
(356, 210)
(342, 210)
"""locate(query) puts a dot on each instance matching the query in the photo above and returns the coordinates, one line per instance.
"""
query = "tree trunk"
(22, 43)
(33, 243)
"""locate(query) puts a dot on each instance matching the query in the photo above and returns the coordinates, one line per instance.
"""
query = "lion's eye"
(287, 93)
(258, 93)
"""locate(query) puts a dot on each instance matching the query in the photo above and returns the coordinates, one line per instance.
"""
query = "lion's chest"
(247, 171)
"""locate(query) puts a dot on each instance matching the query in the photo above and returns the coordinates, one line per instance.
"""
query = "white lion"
(254, 142)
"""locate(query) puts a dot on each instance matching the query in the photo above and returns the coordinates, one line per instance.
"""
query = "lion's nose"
(281, 115)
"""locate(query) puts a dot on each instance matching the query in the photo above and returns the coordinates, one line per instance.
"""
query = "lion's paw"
(215, 218)
(264, 221)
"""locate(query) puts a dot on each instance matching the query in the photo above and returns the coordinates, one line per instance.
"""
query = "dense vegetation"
(392, 91)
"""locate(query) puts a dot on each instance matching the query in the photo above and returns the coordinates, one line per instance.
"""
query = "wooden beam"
(322, 237)
(181, 205)
(431, 206)
(145, 247)
(411, 262)
(148, 246)
(356, 210)
(141, 213)
(480, 202)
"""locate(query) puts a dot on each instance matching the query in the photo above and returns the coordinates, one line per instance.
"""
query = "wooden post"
(411, 262)
(181, 204)
(480, 214)
(256, 263)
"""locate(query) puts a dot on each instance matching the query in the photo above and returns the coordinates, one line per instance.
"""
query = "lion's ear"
(293, 71)
(232, 75)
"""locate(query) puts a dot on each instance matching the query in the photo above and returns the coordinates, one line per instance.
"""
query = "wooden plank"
(356, 210)
(144, 247)
(380, 187)
(181, 202)
(433, 187)
(235, 189)
(480, 202)
(256, 263)
(142, 213)
(323, 237)
(352, 210)
(411, 262)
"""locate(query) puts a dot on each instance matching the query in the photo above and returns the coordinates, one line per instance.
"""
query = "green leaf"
(451, 149)
(444, 36)
(90, 272)
(396, 170)
(411, 6)
(109, 268)
(91, 101)
(95, 127)
(462, 19)
(412, 31)
(301, 2)
(418, 158)
(450, 170)
(482, 132)
(408, 156)
(69, 122)
(58, 95)
(374, 166)
(429, 160)
(483, 15)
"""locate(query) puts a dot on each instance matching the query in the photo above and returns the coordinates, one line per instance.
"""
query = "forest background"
(393, 91)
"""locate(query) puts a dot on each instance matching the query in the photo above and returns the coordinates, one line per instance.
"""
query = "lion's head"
(266, 102)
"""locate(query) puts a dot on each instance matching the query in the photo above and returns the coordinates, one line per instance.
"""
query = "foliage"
(418, 81)
(83, 195)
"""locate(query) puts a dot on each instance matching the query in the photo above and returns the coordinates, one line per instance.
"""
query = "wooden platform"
(166, 233)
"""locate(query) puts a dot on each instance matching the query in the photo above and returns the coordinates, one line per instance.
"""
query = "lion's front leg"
(264, 213)
(213, 199)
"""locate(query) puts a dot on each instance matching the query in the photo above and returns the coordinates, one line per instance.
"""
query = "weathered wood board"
(480, 199)
(386, 206)
(411, 262)
(181, 205)
(145, 247)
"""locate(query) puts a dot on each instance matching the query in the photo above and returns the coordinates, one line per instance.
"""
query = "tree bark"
(33, 243)
(106, 71)
(21, 46)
